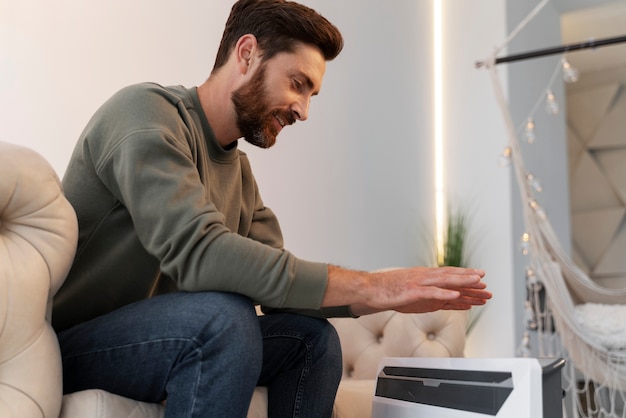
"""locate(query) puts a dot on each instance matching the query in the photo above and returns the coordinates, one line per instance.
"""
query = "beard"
(255, 120)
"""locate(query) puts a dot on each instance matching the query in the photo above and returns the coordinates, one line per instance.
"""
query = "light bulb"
(534, 182)
(530, 130)
(525, 243)
(505, 157)
(552, 107)
(570, 74)
(537, 208)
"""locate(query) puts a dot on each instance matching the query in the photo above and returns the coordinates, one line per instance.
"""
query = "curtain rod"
(557, 50)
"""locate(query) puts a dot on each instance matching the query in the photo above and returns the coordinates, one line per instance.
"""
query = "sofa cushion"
(38, 233)
(96, 403)
(365, 341)
(354, 398)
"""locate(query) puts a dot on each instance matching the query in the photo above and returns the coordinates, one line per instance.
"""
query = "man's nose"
(300, 109)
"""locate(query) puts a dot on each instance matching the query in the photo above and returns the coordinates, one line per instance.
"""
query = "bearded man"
(176, 246)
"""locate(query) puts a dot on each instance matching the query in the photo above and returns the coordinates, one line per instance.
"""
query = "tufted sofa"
(38, 234)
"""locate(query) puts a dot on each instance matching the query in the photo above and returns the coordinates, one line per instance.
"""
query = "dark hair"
(278, 25)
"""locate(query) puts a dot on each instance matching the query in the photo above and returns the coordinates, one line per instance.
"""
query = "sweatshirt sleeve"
(153, 175)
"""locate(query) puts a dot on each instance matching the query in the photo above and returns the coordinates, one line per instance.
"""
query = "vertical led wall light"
(438, 128)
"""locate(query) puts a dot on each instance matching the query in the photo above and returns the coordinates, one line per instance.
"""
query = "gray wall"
(546, 158)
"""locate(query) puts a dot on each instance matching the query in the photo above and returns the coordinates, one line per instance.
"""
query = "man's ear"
(246, 50)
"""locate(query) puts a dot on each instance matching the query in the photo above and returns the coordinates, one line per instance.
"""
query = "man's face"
(277, 94)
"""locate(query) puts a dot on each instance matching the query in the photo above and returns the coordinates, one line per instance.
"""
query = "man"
(176, 246)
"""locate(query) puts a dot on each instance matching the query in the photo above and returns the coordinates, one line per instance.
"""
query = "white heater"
(467, 388)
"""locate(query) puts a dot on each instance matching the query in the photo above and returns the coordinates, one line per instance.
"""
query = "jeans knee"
(236, 315)
(333, 355)
(323, 341)
(226, 327)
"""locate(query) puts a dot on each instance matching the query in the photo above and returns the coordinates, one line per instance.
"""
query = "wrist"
(347, 287)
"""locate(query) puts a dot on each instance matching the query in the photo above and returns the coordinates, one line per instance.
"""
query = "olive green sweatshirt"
(156, 195)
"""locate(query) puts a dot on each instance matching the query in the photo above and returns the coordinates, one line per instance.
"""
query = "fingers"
(462, 270)
(449, 277)
(424, 289)
(476, 294)
(449, 288)
(468, 300)
(471, 301)
(472, 297)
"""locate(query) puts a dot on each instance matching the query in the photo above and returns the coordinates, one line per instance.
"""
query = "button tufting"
(431, 336)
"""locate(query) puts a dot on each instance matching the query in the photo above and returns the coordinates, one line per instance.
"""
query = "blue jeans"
(204, 353)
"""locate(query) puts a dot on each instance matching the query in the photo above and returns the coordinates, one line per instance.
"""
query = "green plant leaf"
(455, 240)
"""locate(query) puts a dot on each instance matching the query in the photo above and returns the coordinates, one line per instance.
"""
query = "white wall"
(60, 60)
(354, 184)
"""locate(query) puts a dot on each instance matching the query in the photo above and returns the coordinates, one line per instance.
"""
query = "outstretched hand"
(417, 289)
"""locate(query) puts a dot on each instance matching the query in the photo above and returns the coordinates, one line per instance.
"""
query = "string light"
(548, 99)
(525, 243)
(552, 107)
(534, 182)
(505, 157)
(570, 74)
(537, 208)
(530, 130)
(533, 317)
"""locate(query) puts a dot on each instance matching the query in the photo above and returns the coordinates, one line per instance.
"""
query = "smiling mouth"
(283, 119)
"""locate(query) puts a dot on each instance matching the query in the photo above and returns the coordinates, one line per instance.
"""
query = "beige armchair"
(37, 242)
(38, 234)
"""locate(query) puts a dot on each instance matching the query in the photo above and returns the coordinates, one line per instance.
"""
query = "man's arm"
(408, 290)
